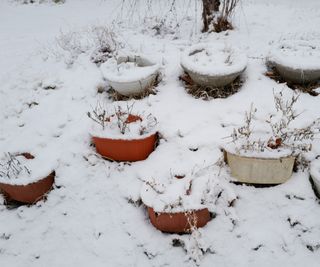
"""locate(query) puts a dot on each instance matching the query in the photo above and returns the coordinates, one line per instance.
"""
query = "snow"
(32, 170)
(297, 54)
(144, 127)
(125, 72)
(214, 59)
(93, 215)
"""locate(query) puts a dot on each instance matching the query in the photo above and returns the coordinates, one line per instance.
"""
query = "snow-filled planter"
(130, 75)
(315, 174)
(297, 61)
(213, 65)
(25, 178)
(178, 204)
(264, 150)
(123, 136)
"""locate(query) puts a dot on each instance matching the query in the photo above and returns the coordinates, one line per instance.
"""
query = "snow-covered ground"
(93, 216)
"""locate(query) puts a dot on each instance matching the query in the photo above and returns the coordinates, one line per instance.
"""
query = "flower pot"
(214, 73)
(133, 81)
(29, 193)
(180, 222)
(125, 150)
(297, 61)
(256, 170)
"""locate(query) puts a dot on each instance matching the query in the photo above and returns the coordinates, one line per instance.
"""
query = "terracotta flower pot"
(29, 193)
(126, 149)
(255, 170)
(179, 222)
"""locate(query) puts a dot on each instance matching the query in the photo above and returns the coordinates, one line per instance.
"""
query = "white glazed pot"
(255, 170)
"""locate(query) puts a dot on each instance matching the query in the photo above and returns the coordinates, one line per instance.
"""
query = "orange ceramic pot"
(125, 150)
(29, 193)
(179, 222)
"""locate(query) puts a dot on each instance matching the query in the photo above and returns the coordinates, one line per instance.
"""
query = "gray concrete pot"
(255, 170)
(297, 61)
(140, 83)
(300, 76)
(209, 77)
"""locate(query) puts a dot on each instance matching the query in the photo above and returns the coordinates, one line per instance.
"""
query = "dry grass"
(305, 88)
(207, 92)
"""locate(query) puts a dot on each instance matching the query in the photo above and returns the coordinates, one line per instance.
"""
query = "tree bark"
(208, 8)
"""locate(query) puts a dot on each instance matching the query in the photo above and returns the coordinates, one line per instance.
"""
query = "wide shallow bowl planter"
(297, 61)
(254, 170)
(125, 150)
(30, 193)
(180, 222)
(134, 81)
(213, 72)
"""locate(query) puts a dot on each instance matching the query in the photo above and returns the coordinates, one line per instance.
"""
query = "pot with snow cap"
(213, 65)
(124, 136)
(130, 75)
(297, 61)
(179, 203)
(24, 182)
(315, 175)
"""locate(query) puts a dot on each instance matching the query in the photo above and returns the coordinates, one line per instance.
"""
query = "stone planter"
(213, 72)
(297, 61)
(255, 170)
(133, 81)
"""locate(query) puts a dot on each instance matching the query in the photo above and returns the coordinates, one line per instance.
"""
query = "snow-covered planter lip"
(214, 64)
(124, 136)
(296, 60)
(25, 178)
(26, 168)
(130, 75)
(315, 174)
(177, 203)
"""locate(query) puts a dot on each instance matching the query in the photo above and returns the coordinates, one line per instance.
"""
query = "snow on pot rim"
(133, 129)
(169, 191)
(216, 59)
(38, 168)
(130, 74)
(268, 153)
(296, 54)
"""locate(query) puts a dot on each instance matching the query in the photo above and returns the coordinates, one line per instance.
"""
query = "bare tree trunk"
(208, 8)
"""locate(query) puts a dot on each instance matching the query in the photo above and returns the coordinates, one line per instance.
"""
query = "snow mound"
(214, 59)
(129, 69)
(24, 171)
(122, 126)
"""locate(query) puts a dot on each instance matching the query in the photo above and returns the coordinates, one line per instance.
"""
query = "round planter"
(30, 193)
(180, 222)
(255, 170)
(125, 150)
(297, 61)
(297, 75)
(143, 79)
(217, 75)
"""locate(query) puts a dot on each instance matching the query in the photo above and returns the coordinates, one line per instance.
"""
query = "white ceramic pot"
(255, 170)
(130, 81)
(213, 65)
